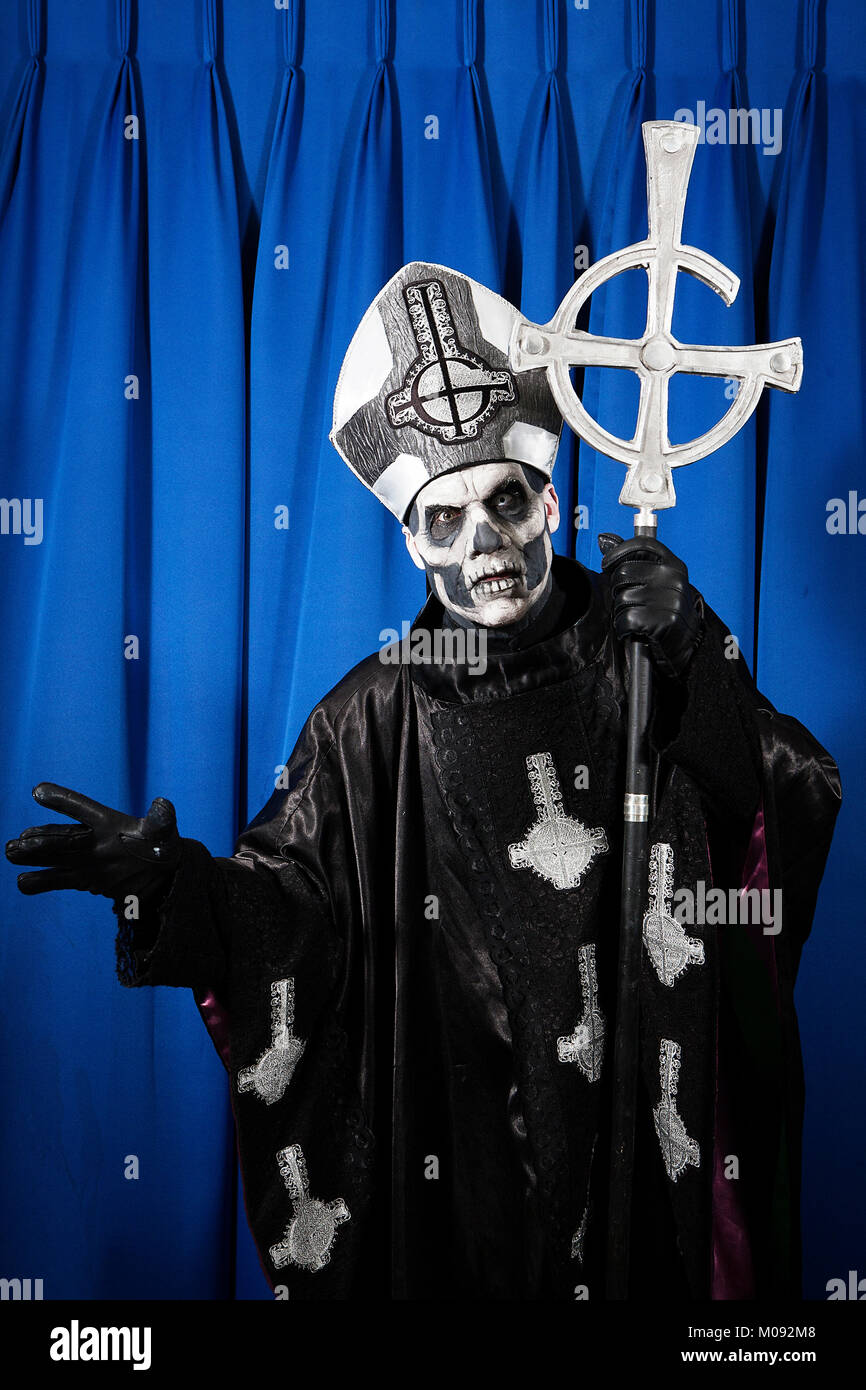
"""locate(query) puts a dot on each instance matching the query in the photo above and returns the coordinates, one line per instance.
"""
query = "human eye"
(509, 498)
(443, 521)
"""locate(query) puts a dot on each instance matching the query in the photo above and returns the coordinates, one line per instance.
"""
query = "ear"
(551, 507)
(413, 549)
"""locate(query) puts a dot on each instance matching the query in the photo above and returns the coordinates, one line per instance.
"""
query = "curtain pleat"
(810, 637)
(83, 599)
(722, 486)
(548, 218)
(199, 475)
(349, 551)
(18, 141)
(620, 307)
(198, 516)
(449, 185)
(285, 343)
(283, 348)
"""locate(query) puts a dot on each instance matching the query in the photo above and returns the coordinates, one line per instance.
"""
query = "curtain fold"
(548, 222)
(352, 549)
(620, 307)
(809, 634)
(198, 515)
(448, 167)
(18, 141)
(283, 347)
(718, 219)
(285, 341)
(81, 623)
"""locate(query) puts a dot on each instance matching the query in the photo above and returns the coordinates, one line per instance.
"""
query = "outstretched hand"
(653, 599)
(107, 852)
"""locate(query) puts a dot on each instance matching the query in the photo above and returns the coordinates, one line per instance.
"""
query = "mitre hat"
(425, 387)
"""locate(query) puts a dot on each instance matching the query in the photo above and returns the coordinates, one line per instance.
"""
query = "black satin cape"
(432, 978)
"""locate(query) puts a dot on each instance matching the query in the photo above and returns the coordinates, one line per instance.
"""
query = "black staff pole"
(634, 877)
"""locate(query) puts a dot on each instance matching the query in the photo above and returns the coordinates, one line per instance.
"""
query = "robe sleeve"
(706, 725)
(756, 769)
(770, 795)
(268, 941)
(193, 936)
(223, 919)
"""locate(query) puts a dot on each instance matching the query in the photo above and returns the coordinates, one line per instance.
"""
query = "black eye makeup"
(442, 522)
(508, 500)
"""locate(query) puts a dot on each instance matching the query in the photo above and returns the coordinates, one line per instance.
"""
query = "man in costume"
(408, 966)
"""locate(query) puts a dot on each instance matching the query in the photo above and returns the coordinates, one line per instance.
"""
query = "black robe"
(437, 974)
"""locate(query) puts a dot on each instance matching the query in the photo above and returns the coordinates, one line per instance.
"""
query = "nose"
(486, 539)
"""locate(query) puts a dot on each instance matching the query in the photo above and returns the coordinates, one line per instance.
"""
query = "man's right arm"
(185, 917)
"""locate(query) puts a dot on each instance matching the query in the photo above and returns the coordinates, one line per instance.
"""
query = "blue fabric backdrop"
(176, 294)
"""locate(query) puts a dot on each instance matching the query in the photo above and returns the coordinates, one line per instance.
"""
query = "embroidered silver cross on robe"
(579, 1237)
(558, 847)
(585, 1045)
(668, 946)
(310, 1234)
(678, 1150)
(271, 1074)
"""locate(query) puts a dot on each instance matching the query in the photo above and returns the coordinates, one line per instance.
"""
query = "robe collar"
(581, 635)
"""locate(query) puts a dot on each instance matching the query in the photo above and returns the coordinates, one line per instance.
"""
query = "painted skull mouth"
(503, 580)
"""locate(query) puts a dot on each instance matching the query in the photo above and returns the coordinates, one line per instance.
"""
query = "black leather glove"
(109, 853)
(653, 599)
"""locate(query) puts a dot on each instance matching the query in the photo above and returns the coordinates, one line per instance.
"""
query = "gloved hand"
(653, 599)
(110, 854)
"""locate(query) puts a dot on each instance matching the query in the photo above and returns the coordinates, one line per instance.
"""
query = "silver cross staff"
(655, 357)
(649, 457)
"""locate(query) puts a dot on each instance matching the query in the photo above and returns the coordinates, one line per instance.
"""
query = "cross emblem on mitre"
(656, 356)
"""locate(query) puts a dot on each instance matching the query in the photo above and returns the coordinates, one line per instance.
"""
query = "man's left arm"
(704, 704)
(709, 719)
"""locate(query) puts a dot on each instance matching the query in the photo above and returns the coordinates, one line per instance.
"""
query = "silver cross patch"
(310, 1234)
(678, 1150)
(271, 1074)
(558, 847)
(585, 1045)
(668, 946)
(579, 1237)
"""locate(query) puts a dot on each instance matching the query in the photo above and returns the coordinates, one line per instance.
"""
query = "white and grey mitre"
(425, 387)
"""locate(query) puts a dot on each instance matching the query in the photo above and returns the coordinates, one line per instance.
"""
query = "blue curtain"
(545, 244)
(197, 203)
(811, 594)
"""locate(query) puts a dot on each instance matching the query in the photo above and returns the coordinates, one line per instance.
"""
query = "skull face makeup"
(482, 533)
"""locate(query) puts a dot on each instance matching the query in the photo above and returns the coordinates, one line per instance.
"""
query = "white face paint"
(483, 536)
